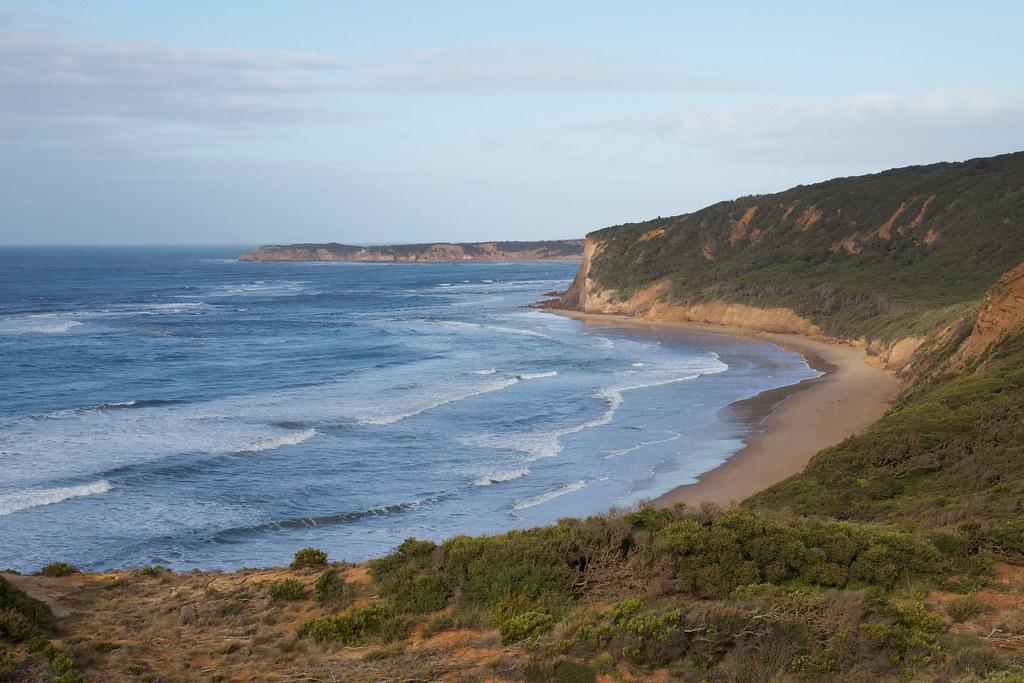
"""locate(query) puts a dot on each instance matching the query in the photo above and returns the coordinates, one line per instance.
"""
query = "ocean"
(174, 406)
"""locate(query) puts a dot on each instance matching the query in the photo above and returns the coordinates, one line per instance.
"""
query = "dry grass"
(211, 626)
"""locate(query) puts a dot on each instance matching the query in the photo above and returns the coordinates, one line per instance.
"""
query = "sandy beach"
(799, 420)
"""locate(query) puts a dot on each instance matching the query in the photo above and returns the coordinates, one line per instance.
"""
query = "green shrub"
(153, 571)
(330, 587)
(15, 626)
(409, 579)
(525, 626)
(59, 569)
(62, 663)
(355, 626)
(40, 644)
(558, 671)
(287, 589)
(7, 663)
(309, 557)
(965, 608)
(912, 631)
(30, 611)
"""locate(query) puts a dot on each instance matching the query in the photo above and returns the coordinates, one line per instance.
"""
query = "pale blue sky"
(254, 122)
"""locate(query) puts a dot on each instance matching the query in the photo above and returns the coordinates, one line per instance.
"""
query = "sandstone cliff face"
(652, 303)
(441, 252)
(1001, 314)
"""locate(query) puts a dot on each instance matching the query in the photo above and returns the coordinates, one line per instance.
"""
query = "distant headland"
(437, 252)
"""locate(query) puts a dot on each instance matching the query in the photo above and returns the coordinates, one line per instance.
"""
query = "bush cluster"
(309, 557)
(525, 626)
(22, 617)
(703, 554)
(59, 569)
(286, 589)
(356, 626)
(330, 588)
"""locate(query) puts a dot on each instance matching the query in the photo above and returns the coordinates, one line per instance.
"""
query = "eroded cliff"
(897, 262)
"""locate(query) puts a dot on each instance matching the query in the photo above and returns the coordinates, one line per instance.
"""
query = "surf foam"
(31, 498)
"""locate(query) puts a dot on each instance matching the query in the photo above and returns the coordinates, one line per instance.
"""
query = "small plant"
(57, 569)
(152, 571)
(309, 557)
(15, 626)
(967, 607)
(330, 587)
(561, 671)
(286, 589)
(525, 626)
(355, 626)
(64, 666)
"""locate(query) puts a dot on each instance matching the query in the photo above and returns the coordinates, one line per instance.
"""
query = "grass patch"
(966, 608)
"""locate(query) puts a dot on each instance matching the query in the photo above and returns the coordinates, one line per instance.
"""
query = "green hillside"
(878, 255)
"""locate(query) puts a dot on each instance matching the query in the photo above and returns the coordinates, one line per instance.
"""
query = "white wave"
(30, 498)
(169, 307)
(548, 444)
(262, 288)
(535, 445)
(488, 371)
(639, 365)
(603, 343)
(270, 443)
(460, 325)
(549, 495)
(501, 476)
(638, 446)
(538, 375)
(41, 323)
(453, 397)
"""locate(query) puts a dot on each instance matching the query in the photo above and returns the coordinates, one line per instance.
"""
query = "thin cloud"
(866, 125)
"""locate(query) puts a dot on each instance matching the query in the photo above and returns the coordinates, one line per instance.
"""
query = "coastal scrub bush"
(309, 557)
(7, 663)
(966, 607)
(15, 626)
(330, 587)
(912, 632)
(558, 671)
(705, 554)
(355, 626)
(29, 610)
(153, 571)
(286, 589)
(57, 569)
(525, 626)
(408, 578)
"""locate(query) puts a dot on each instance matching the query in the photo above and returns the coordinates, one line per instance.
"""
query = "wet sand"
(798, 420)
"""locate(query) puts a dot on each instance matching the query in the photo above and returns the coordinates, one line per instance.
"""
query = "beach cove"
(793, 422)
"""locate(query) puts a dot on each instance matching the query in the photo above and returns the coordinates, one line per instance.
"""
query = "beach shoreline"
(795, 421)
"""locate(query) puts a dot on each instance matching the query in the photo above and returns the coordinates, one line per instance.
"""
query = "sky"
(249, 122)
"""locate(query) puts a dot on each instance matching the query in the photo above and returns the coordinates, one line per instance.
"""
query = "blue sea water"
(175, 406)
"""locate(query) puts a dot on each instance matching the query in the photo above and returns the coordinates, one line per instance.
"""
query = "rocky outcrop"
(441, 252)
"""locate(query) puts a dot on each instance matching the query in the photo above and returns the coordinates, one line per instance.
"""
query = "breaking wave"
(31, 498)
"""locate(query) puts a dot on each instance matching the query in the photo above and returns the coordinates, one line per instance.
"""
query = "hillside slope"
(441, 252)
(889, 258)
